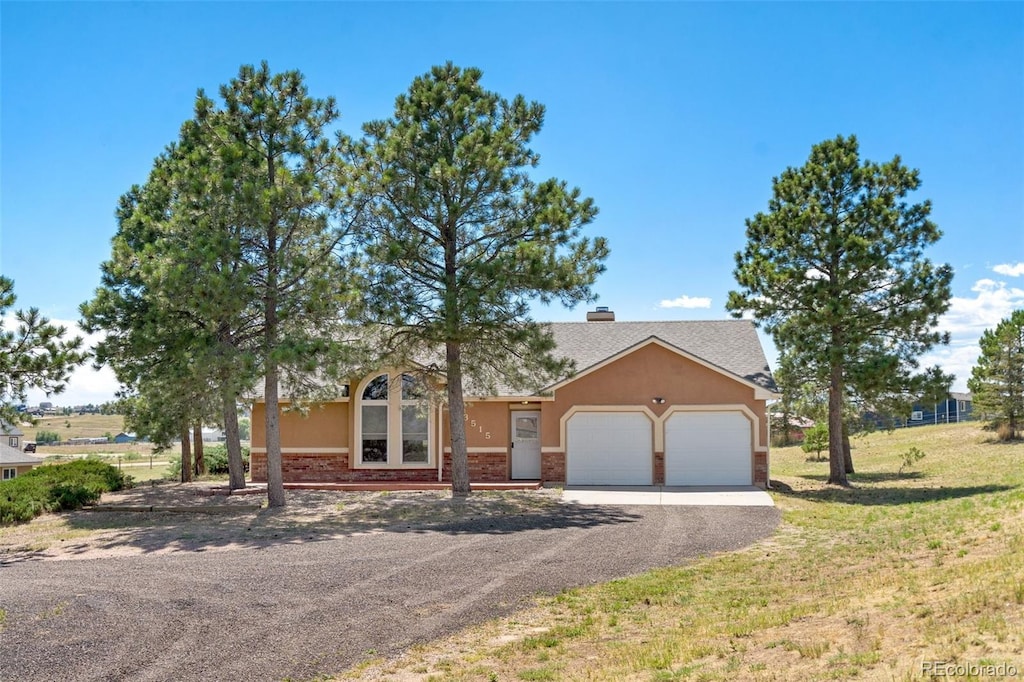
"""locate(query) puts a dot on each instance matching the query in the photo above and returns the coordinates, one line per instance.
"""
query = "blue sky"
(674, 117)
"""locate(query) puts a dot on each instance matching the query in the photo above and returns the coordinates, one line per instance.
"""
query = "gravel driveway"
(298, 609)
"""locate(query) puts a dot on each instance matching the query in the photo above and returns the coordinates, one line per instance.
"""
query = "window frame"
(13, 442)
(13, 471)
(395, 402)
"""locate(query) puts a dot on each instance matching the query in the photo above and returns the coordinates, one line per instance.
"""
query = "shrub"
(909, 458)
(815, 439)
(1004, 433)
(60, 487)
(44, 437)
(217, 459)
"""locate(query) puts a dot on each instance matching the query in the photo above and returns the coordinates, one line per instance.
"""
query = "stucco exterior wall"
(319, 447)
(326, 426)
(636, 379)
(482, 419)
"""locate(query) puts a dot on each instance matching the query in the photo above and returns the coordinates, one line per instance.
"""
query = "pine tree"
(997, 381)
(836, 274)
(459, 240)
(35, 354)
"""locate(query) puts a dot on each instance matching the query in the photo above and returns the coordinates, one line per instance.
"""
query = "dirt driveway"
(332, 580)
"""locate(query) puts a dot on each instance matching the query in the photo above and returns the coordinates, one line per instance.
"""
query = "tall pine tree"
(997, 381)
(459, 240)
(835, 271)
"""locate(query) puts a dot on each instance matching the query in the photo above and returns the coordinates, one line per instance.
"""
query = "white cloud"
(1010, 270)
(994, 301)
(966, 320)
(686, 302)
(86, 385)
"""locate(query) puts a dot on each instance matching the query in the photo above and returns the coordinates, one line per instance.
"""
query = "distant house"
(14, 462)
(957, 407)
(125, 437)
(212, 435)
(12, 435)
(797, 426)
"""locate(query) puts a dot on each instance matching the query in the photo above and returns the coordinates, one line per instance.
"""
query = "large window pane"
(411, 388)
(414, 434)
(375, 433)
(377, 389)
(375, 450)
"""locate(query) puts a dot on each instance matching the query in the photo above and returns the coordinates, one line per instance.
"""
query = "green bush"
(44, 437)
(60, 487)
(816, 439)
(215, 457)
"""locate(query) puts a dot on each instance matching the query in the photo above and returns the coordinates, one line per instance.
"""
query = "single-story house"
(14, 462)
(672, 403)
(956, 407)
(125, 437)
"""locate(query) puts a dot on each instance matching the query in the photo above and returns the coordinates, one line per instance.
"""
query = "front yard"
(892, 580)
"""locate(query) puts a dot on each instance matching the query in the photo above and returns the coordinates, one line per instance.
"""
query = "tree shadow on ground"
(886, 496)
(872, 476)
(90, 534)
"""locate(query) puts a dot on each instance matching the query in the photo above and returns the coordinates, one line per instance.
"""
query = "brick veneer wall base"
(334, 468)
(659, 468)
(761, 469)
(485, 467)
(552, 467)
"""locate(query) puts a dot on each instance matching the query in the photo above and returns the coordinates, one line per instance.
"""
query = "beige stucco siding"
(649, 372)
(325, 426)
(483, 419)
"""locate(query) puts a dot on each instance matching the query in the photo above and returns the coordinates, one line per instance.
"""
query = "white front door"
(526, 445)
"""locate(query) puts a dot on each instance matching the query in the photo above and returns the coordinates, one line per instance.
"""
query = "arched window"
(394, 427)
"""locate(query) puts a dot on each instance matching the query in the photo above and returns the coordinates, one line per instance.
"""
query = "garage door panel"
(708, 448)
(609, 448)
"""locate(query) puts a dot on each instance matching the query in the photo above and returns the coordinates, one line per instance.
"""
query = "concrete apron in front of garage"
(727, 496)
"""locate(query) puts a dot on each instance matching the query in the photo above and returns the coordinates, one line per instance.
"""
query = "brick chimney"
(601, 314)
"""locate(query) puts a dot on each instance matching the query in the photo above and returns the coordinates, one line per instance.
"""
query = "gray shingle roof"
(730, 345)
(12, 456)
(8, 429)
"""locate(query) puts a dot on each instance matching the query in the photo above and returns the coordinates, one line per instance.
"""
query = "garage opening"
(708, 448)
(609, 448)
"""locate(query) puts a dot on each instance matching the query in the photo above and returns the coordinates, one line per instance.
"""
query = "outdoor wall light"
(658, 401)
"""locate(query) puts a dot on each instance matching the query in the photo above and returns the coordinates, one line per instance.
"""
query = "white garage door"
(708, 448)
(609, 448)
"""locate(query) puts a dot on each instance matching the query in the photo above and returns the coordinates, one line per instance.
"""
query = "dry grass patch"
(864, 583)
(311, 515)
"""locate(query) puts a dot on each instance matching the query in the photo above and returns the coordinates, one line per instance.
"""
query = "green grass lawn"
(866, 583)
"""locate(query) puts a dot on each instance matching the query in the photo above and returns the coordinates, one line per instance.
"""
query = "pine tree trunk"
(236, 467)
(197, 442)
(186, 455)
(275, 479)
(457, 422)
(847, 455)
(836, 462)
